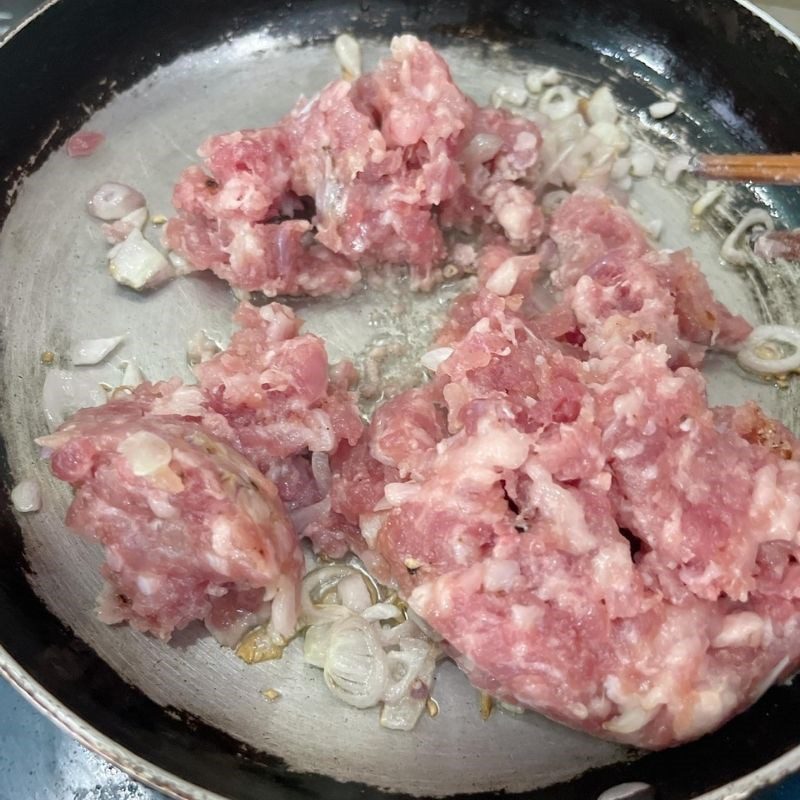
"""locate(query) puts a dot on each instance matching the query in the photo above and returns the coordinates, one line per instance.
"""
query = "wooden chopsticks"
(782, 169)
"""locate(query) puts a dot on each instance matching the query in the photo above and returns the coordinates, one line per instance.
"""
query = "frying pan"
(157, 77)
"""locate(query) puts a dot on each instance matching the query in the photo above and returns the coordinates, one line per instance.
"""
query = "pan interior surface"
(53, 256)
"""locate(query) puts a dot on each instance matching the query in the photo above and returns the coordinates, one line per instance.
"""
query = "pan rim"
(68, 721)
(170, 784)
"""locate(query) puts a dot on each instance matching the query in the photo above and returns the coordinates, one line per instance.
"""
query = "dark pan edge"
(164, 781)
(135, 766)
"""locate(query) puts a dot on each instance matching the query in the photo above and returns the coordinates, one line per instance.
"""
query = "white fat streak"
(433, 358)
(503, 279)
(740, 629)
(559, 506)
(145, 452)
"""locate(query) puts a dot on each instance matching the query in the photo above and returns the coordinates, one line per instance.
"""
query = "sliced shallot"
(558, 102)
(113, 201)
(732, 250)
(513, 95)
(675, 167)
(65, 392)
(771, 350)
(356, 669)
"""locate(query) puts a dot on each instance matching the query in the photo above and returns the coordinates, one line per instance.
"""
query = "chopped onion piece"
(675, 167)
(201, 348)
(380, 612)
(356, 669)
(404, 664)
(93, 351)
(707, 199)
(145, 452)
(558, 102)
(610, 134)
(315, 645)
(502, 281)
(551, 77)
(26, 496)
(765, 351)
(513, 95)
(732, 250)
(483, 147)
(643, 163)
(370, 524)
(113, 201)
(601, 106)
(403, 715)
(319, 593)
(353, 593)
(533, 82)
(65, 392)
(132, 375)
(654, 227)
(433, 358)
(180, 264)
(620, 168)
(404, 712)
(662, 109)
(552, 200)
(625, 183)
(136, 263)
(348, 51)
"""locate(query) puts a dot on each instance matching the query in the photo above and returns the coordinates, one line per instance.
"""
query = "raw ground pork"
(559, 502)
(191, 529)
(364, 174)
(208, 534)
(590, 538)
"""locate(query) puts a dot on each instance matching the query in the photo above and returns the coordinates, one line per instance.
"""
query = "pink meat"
(772, 245)
(620, 288)
(363, 174)
(272, 386)
(84, 143)
(556, 511)
(191, 531)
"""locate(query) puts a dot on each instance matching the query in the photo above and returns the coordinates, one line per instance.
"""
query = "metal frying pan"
(156, 78)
